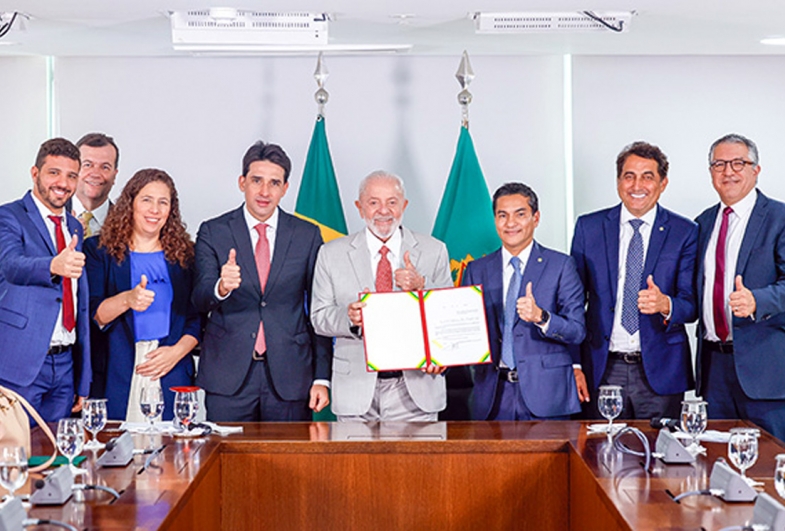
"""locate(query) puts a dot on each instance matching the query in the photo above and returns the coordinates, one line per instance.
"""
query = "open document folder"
(413, 329)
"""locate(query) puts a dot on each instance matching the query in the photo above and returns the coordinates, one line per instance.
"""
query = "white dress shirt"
(621, 340)
(99, 214)
(60, 336)
(737, 225)
(394, 256)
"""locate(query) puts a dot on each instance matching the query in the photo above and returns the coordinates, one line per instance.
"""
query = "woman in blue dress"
(140, 272)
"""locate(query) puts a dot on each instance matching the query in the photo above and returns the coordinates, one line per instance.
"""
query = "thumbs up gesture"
(230, 275)
(407, 278)
(527, 307)
(651, 300)
(69, 262)
(140, 298)
(742, 301)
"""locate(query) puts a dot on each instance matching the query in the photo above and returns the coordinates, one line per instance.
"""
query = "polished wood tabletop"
(202, 482)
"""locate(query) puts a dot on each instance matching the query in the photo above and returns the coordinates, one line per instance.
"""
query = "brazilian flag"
(465, 219)
(319, 201)
(465, 224)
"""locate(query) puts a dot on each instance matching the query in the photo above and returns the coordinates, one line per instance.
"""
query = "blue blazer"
(107, 279)
(30, 298)
(295, 354)
(544, 361)
(759, 344)
(670, 259)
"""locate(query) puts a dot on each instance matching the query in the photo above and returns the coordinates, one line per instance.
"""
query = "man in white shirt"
(44, 343)
(260, 360)
(741, 285)
(637, 261)
(382, 257)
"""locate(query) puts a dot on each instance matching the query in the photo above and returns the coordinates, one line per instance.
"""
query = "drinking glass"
(70, 441)
(779, 475)
(693, 420)
(13, 468)
(610, 403)
(151, 402)
(185, 405)
(94, 419)
(743, 448)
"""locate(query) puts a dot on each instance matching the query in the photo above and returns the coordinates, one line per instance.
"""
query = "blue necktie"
(511, 312)
(630, 317)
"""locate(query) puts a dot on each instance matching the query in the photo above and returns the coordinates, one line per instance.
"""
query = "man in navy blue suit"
(741, 275)
(637, 262)
(261, 360)
(44, 324)
(534, 308)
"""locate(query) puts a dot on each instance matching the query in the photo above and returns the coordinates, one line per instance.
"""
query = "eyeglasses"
(735, 164)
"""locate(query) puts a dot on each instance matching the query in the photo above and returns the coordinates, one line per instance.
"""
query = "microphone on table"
(665, 422)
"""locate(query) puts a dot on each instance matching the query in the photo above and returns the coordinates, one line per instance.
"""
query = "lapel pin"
(539, 259)
(662, 229)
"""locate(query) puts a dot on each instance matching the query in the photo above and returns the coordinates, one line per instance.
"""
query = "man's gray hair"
(735, 138)
(381, 174)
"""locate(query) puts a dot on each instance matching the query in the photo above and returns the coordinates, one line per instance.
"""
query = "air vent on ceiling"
(222, 26)
(548, 22)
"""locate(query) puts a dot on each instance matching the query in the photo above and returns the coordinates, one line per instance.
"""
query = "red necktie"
(68, 291)
(384, 272)
(262, 258)
(718, 295)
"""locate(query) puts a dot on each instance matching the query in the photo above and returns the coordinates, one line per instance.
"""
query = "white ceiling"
(441, 27)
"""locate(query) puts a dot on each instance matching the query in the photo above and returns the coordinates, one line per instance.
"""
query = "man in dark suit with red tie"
(44, 331)
(261, 360)
(741, 288)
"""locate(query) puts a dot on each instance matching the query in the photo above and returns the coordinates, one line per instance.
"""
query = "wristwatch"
(545, 316)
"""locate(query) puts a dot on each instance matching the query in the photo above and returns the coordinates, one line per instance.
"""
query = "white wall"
(682, 104)
(194, 117)
(23, 109)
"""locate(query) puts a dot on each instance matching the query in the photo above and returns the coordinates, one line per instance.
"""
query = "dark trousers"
(640, 400)
(255, 401)
(727, 400)
(52, 391)
(510, 405)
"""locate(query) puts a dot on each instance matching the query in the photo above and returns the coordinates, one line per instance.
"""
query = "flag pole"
(465, 75)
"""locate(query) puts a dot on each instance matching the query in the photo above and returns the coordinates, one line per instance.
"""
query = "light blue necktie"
(630, 317)
(511, 312)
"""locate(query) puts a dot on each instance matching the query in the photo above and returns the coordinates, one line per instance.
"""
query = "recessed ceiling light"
(773, 41)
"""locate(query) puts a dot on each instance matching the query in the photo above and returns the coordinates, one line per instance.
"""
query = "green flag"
(465, 219)
(318, 200)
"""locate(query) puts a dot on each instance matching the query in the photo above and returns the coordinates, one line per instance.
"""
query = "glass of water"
(70, 441)
(610, 403)
(94, 419)
(151, 402)
(13, 468)
(743, 448)
(693, 421)
(185, 406)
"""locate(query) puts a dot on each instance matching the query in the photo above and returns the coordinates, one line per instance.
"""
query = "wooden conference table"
(453, 475)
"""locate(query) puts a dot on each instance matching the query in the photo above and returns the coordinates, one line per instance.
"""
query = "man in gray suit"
(376, 258)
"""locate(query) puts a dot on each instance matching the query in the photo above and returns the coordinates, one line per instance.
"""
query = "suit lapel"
(244, 248)
(409, 243)
(754, 227)
(358, 257)
(535, 265)
(35, 217)
(493, 288)
(659, 233)
(283, 239)
(610, 230)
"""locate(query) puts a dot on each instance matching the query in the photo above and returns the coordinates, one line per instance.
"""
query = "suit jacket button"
(264, 303)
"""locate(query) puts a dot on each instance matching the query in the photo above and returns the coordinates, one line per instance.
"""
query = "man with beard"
(44, 346)
(381, 256)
